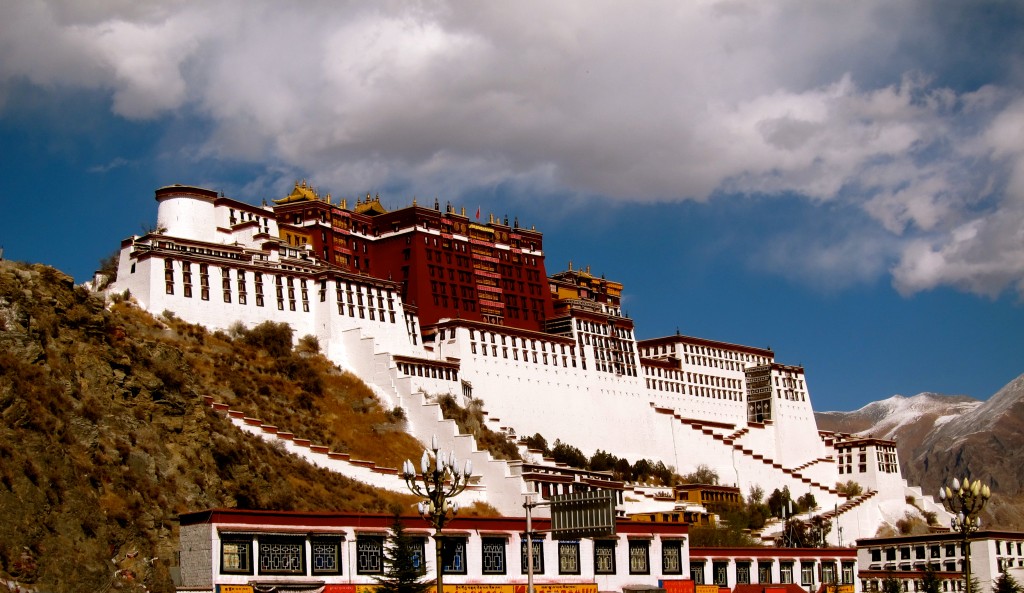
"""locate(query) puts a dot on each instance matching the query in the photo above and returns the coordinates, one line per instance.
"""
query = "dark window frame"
(538, 553)
(335, 544)
(377, 544)
(265, 544)
(604, 546)
(247, 544)
(502, 567)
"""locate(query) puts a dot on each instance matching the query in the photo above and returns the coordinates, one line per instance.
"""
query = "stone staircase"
(714, 430)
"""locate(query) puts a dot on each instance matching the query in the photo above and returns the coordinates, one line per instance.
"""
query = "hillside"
(940, 437)
(104, 436)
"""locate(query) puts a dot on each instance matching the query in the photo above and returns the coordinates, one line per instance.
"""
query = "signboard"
(707, 589)
(234, 589)
(467, 588)
(555, 588)
(678, 586)
(583, 514)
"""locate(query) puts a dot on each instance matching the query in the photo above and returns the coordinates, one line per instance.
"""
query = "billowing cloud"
(835, 101)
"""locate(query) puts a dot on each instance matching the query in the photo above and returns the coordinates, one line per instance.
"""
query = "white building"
(583, 378)
(906, 557)
(343, 553)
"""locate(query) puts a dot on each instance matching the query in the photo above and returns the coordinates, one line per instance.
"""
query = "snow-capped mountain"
(940, 437)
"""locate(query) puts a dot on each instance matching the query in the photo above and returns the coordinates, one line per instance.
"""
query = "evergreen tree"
(1006, 584)
(401, 573)
(891, 584)
(930, 582)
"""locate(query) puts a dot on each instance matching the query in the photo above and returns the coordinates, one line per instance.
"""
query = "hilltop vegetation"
(104, 437)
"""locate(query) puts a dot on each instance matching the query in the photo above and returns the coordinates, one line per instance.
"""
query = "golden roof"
(371, 207)
(303, 192)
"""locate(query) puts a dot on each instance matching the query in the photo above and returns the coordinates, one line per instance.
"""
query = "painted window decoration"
(538, 556)
(282, 556)
(671, 557)
(604, 557)
(369, 554)
(493, 560)
(569, 557)
(453, 555)
(639, 557)
(325, 556)
(236, 556)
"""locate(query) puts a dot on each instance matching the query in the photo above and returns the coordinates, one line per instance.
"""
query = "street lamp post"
(965, 502)
(437, 483)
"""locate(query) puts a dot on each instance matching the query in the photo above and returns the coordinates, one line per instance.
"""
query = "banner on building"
(679, 586)
(467, 588)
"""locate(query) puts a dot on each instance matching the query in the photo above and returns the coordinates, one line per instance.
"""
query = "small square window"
(493, 561)
(639, 557)
(604, 557)
(538, 556)
(671, 557)
(568, 557)
(369, 554)
(236, 556)
(325, 556)
(453, 555)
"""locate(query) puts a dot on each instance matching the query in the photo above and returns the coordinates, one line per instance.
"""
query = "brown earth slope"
(104, 437)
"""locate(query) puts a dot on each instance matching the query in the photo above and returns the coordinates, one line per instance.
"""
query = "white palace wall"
(529, 382)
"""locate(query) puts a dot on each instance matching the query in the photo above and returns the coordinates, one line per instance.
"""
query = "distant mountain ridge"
(939, 437)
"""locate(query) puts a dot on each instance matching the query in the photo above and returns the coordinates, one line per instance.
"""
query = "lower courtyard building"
(241, 551)
(906, 558)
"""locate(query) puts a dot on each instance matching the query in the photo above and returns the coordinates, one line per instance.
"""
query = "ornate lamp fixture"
(438, 482)
(965, 502)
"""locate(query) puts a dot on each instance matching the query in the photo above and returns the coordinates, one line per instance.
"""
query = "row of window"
(322, 555)
(910, 585)
(349, 301)
(916, 552)
(429, 371)
(673, 387)
(826, 572)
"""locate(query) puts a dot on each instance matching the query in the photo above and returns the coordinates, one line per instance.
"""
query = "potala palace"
(428, 300)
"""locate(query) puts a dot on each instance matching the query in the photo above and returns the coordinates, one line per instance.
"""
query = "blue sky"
(842, 182)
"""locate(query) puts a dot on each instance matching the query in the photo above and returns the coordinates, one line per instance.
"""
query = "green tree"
(538, 442)
(704, 474)
(930, 581)
(569, 455)
(798, 534)
(623, 470)
(806, 503)
(602, 461)
(275, 338)
(849, 489)
(891, 584)
(1006, 584)
(779, 501)
(401, 573)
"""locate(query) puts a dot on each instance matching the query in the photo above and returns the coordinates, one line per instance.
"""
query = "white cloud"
(650, 101)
